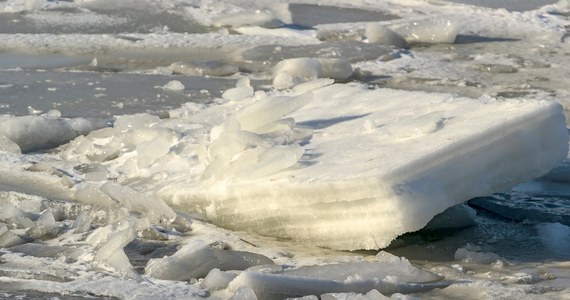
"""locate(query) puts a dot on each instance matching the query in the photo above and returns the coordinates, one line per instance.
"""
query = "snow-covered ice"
(188, 149)
(415, 156)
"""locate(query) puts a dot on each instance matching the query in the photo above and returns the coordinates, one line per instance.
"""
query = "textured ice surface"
(309, 15)
(414, 156)
(377, 33)
(525, 207)
(389, 275)
(294, 71)
(101, 95)
(84, 219)
(431, 31)
(42, 132)
(197, 260)
(513, 5)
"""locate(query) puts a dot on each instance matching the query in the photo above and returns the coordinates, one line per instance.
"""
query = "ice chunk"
(9, 211)
(90, 194)
(356, 189)
(209, 68)
(96, 147)
(336, 68)
(127, 122)
(294, 71)
(334, 35)
(174, 85)
(275, 286)
(151, 207)
(42, 250)
(82, 223)
(495, 68)
(269, 110)
(149, 152)
(197, 259)
(291, 72)
(396, 267)
(38, 132)
(92, 172)
(244, 293)
(261, 18)
(242, 91)
(510, 5)
(429, 31)
(472, 254)
(372, 295)
(238, 93)
(109, 242)
(217, 280)
(45, 226)
(353, 51)
(256, 141)
(20, 223)
(9, 239)
(9, 146)
(3, 228)
(310, 297)
(377, 33)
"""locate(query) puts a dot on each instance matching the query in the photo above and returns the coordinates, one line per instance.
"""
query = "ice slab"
(388, 277)
(197, 260)
(291, 72)
(32, 133)
(380, 163)
(93, 19)
(309, 15)
(512, 5)
(352, 51)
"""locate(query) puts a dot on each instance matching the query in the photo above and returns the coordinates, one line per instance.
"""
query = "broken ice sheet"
(388, 277)
(309, 15)
(196, 260)
(417, 145)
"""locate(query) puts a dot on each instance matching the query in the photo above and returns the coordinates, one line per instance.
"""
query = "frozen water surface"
(309, 15)
(101, 94)
(189, 149)
(512, 5)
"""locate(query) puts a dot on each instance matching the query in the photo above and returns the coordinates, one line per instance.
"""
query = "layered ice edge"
(389, 170)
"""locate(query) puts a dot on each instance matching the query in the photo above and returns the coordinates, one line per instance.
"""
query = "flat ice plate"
(384, 162)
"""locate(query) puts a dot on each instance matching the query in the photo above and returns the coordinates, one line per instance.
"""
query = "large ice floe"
(353, 168)
(184, 149)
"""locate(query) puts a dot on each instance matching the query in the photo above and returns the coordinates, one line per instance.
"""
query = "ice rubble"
(29, 133)
(339, 166)
(291, 72)
(387, 275)
(197, 259)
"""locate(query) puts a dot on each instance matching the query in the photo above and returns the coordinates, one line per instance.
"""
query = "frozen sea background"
(100, 59)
